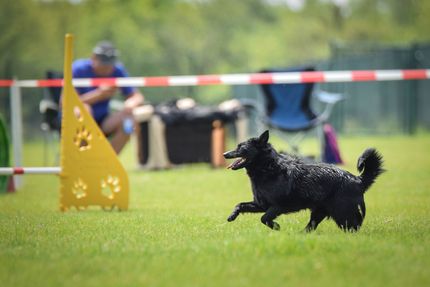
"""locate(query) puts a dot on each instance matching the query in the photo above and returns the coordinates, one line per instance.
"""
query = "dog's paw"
(232, 217)
(276, 226)
(308, 229)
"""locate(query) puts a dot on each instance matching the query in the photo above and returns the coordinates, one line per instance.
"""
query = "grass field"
(176, 234)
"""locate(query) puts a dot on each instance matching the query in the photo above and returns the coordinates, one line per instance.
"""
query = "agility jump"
(235, 79)
(90, 172)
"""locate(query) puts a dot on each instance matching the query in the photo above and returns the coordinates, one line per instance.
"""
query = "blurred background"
(191, 37)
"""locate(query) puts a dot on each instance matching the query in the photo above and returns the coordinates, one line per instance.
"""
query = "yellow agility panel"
(91, 173)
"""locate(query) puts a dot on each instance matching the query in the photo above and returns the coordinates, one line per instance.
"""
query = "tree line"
(182, 37)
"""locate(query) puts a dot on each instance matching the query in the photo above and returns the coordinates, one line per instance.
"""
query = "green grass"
(176, 234)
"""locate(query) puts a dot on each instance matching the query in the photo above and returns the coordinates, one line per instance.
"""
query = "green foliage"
(194, 37)
(183, 37)
(176, 234)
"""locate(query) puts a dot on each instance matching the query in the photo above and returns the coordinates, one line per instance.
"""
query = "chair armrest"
(46, 105)
(329, 98)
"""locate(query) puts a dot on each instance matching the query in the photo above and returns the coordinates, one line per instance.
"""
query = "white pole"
(16, 121)
(29, 170)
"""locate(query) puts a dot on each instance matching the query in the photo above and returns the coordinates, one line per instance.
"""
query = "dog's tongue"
(234, 163)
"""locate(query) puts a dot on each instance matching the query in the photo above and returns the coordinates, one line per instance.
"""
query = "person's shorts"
(101, 119)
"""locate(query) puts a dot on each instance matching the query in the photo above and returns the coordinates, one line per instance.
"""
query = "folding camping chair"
(287, 110)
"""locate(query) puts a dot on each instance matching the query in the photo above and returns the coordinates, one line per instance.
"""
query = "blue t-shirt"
(83, 69)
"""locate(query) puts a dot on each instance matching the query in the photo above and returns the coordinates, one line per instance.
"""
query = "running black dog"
(283, 183)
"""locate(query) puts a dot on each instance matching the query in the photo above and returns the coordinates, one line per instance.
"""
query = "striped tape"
(235, 79)
(29, 170)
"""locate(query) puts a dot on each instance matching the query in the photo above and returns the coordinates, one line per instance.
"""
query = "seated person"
(103, 64)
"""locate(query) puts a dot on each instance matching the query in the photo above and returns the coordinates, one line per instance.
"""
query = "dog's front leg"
(244, 207)
(270, 215)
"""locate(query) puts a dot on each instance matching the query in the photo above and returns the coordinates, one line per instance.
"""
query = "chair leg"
(293, 141)
(320, 136)
(296, 140)
(50, 141)
(45, 148)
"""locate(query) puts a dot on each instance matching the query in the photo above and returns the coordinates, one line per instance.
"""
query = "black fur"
(282, 183)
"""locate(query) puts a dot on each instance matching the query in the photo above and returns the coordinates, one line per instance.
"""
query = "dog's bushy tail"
(370, 166)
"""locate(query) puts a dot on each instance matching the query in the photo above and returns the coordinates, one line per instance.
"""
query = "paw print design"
(82, 139)
(79, 188)
(110, 186)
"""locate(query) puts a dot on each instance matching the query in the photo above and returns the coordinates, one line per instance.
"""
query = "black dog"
(283, 183)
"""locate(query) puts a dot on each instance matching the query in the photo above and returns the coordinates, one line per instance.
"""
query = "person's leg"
(113, 126)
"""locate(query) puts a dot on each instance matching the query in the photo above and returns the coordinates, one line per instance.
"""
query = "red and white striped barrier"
(235, 79)
(29, 170)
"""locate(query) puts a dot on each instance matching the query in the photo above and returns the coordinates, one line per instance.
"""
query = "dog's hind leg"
(351, 219)
(270, 215)
(317, 215)
(244, 207)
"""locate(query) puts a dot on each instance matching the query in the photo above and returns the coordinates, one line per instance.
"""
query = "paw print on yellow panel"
(110, 186)
(79, 188)
(82, 138)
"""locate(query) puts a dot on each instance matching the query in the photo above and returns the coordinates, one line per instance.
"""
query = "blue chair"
(288, 112)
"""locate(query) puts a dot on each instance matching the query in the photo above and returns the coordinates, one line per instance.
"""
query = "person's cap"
(106, 52)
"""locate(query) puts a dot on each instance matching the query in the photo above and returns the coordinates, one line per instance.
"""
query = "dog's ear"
(264, 137)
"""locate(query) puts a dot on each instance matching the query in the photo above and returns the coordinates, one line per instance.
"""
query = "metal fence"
(386, 107)
(381, 107)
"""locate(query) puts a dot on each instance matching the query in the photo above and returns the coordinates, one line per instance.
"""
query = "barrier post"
(16, 124)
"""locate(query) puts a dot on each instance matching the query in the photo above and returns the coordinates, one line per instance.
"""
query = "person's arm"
(99, 94)
(133, 96)
(82, 69)
(133, 100)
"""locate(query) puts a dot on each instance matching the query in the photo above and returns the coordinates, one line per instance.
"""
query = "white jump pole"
(29, 170)
(16, 125)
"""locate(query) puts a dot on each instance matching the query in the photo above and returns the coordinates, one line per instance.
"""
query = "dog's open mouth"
(239, 163)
